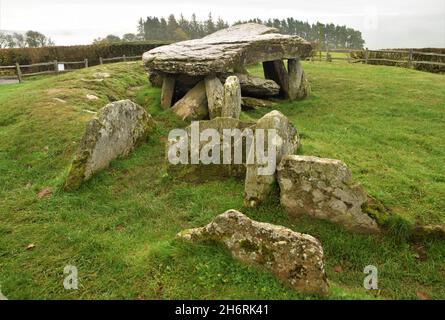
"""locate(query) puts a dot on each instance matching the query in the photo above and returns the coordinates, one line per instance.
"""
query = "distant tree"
(35, 39)
(3, 40)
(19, 40)
(326, 35)
(111, 38)
(210, 25)
(180, 35)
(194, 28)
(172, 25)
(184, 25)
(221, 24)
(129, 37)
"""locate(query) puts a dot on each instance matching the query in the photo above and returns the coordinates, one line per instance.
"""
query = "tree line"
(327, 35)
(31, 39)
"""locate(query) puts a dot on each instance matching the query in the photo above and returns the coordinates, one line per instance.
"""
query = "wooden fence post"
(86, 63)
(19, 72)
(410, 58)
(101, 61)
(328, 56)
(366, 55)
(56, 67)
(124, 57)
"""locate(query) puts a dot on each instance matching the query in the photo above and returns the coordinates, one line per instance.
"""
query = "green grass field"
(387, 124)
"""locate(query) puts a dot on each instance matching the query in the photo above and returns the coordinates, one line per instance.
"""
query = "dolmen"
(197, 75)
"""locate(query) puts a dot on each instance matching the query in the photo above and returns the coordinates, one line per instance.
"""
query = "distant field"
(387, 124)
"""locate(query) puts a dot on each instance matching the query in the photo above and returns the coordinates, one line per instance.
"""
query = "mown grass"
(387, 124)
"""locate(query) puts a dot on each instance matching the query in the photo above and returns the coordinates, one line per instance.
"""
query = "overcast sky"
(384, 23)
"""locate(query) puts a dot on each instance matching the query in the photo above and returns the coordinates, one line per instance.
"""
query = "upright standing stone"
(276, 71)
(298, 85)
(232, 98)
(117, 129)
(258, 184)
(168, 89)
(215, 96)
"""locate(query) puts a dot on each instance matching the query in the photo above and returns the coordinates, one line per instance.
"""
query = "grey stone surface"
(193, 106)
(296, 259)
(215, 96)
(116, 130)
(232, 98)
(168, 90)
(225, 50)
(204, 172)
(258, 186)
(324, 189)
(252, 86)
(255, 103)
(299, 87)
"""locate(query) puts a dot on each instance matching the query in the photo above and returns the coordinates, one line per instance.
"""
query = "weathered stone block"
(168, 90)
(116, 130)
(215, 96)
(258, 186)
(255, 103)
(193, 106)
(232, 98)
(252, 86)
(323, 188)
(299, 87)
(296, 259)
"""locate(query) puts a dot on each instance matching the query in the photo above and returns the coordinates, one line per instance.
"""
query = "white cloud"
(396, 24)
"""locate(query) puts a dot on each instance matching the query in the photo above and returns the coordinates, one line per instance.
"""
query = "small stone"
(338, 269)
(92, 97)
(46, 192)
(101, 75)
(422, 295)
(59, 100)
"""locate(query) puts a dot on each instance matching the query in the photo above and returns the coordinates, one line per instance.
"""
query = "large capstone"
(296, 259)
(117, 129)
(324, 189)
(226, 50)
(259, 181)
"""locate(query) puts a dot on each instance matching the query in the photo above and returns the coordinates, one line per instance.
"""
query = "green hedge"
(404, 56)
(9, 57)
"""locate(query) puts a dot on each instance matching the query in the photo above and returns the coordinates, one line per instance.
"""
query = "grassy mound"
(386, 123)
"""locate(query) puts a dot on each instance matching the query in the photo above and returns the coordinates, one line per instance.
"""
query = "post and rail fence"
(366, 57)
(59, 66)
(56, 67)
